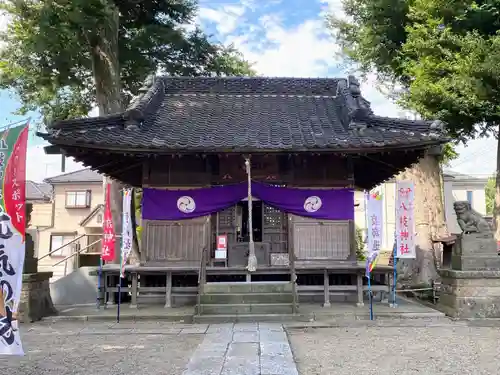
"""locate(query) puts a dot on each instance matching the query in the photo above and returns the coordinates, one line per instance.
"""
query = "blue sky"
(281, 38)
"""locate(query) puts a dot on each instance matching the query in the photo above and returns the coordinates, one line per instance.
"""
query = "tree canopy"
(444, 54)
(46, 51)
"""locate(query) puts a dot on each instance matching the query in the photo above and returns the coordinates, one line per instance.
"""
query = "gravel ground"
(448, 350)
(95, 349)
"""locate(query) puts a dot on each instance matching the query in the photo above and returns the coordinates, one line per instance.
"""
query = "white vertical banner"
(127, 235)
(405, 221)
(13, 145)
(374, 211)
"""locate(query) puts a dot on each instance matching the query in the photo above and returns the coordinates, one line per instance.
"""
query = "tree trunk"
(106, 69)
(429, 223)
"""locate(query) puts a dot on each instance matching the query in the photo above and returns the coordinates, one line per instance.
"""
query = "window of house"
(469, 197)
(78, 199)
(57, 241)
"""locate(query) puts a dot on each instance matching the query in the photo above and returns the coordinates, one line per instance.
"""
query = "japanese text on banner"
(405, 227)
(374, 227)
(108, 241)
(127, 236)
(13, 147)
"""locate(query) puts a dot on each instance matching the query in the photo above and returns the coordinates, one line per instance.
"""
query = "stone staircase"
(245, 302)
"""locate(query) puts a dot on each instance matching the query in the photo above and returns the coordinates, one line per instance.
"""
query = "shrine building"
(200, 148)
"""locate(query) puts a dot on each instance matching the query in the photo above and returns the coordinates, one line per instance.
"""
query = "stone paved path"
(243, 349)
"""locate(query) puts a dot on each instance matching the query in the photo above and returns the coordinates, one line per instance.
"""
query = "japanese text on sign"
(405, 231)
(108, 237)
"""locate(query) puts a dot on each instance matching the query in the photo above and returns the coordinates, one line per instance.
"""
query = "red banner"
(109, 238)
(14, 183)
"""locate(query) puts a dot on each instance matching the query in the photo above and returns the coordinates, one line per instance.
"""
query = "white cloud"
(226, 17)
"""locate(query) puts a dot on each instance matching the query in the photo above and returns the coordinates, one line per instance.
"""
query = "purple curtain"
(328, 204)
(160, 204)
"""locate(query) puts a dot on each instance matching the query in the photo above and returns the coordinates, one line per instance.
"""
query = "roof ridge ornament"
(438, 126)
(359, 107)
(135, 113)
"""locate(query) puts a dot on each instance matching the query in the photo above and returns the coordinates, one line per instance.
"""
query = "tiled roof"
(36, 191)
(82, 175)
(246, 114)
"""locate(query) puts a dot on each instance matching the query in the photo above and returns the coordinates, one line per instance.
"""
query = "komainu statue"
(470, 221)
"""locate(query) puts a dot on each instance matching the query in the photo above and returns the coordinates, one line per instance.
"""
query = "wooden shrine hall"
(201, 148)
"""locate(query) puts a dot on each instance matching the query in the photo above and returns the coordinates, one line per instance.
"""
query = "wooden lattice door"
(225, 223)
(275, 229)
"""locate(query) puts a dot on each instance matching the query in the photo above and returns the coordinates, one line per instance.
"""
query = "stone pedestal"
(36, 302)
(470, 294)
(471, 287)
(475, 252)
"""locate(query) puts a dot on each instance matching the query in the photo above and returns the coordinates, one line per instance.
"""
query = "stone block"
(475, 262)
(271, 287)
(246, 337)
(274, 349)
(249, 298)
(243, 349)
(476, 244)
(470, 294)
(36, 302)
(241, 366)
(246, 327)
(225, 309)
(268, 308)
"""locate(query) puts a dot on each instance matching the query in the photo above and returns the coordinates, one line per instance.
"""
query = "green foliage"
(138, 212)
(449, 154)
(446, 56)
(490, 195)
(360, 245)
(47, 48)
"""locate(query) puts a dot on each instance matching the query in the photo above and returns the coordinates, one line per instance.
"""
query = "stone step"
(246, 298)
(243, 287)
(249, 318)
(229, 309)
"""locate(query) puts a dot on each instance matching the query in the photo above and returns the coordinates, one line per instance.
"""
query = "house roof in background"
(82, 175)
(461, 177)
(38, 191)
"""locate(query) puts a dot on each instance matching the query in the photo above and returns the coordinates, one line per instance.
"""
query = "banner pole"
(119, 299)
(122, 261)
(99, 275)
(370, 298)
(395, 273)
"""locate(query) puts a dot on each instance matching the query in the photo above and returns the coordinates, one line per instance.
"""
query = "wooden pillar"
(134, 291)
(359, 289)
(326, 285)
(352, 241)
(168, 290)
